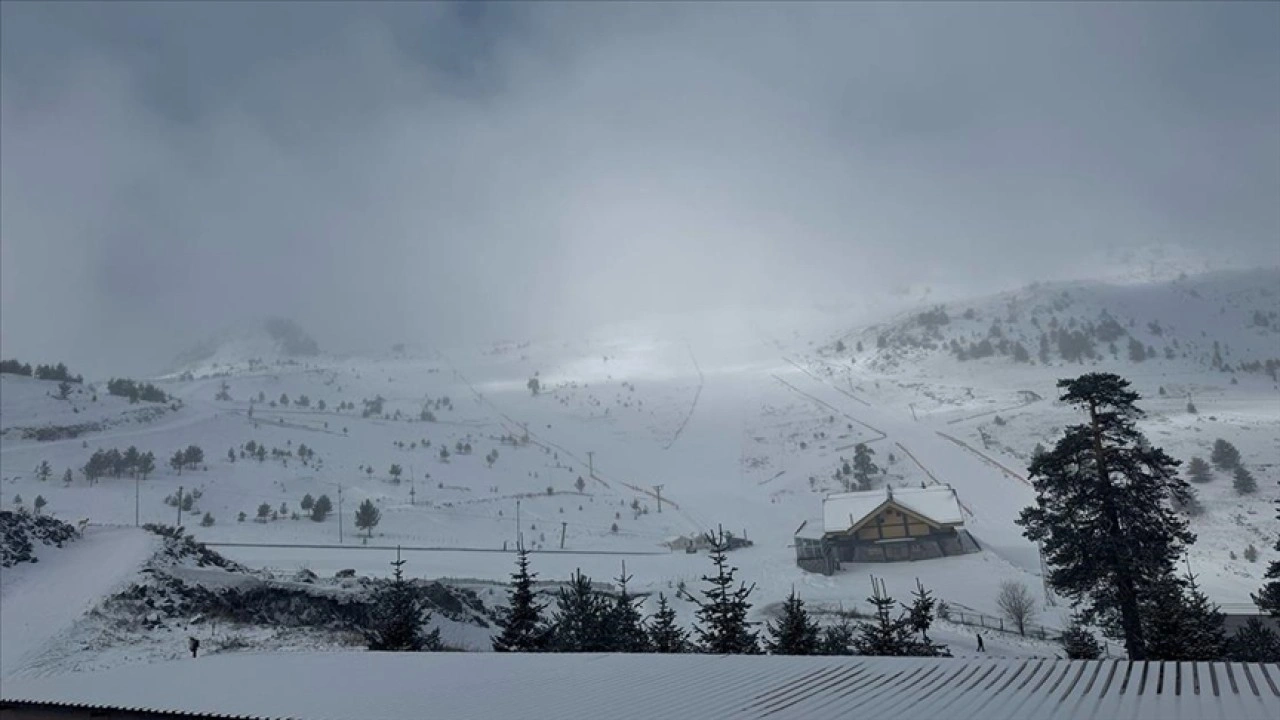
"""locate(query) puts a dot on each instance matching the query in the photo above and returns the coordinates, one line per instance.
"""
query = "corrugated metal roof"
(569, 687)
(840, 511)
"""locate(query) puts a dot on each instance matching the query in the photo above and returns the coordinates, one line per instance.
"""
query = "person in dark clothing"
(194, 645)
(981, 647)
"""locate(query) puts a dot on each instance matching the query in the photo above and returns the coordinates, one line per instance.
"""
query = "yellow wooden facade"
(891, 521)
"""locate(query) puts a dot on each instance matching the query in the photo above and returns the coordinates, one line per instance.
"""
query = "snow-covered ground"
(741, 421)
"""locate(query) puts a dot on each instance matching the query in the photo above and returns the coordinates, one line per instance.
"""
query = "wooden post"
(658, 489)
(563, 526)
(179, 506)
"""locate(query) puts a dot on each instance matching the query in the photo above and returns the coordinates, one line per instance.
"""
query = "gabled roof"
(495, 686)
(936, 503)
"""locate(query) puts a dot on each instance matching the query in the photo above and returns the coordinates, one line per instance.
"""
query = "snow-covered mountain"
(741, 429)
(275, 340)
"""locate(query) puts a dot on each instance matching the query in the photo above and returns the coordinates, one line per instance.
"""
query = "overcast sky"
(448, 174)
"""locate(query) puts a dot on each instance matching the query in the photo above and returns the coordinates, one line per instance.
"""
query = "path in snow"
(39, 601)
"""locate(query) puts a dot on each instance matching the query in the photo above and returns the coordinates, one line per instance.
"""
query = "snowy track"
(40, 601)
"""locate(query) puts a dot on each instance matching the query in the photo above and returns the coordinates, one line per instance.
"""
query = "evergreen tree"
(794, 633)
(321, 508)
(921, 611)
(396, 617)
(39, 503)
(1179, 622)
(1198, 471)
(863, 467)
(67, 477)
(193, 456)
(624, 626)
(1255, 642)
(1268, 597)
(1102, 509)
(837, 639)
(44, 470)
(395, 472)
(665, 634)
(146, 464)
(367, 517)
(177, 461)
(1225, 456)
(264, 511)
(1243, 481)
(307, 502)
(885, 635)
(521, 622)
(579, 620)
(206, 521)
(1078, 643)
(722, 615)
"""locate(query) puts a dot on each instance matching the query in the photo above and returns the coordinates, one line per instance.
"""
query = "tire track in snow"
(694, 406)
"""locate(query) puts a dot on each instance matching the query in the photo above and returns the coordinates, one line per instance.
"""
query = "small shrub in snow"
(1251, 553)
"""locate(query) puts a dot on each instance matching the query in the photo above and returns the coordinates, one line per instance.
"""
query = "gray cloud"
(455, 173)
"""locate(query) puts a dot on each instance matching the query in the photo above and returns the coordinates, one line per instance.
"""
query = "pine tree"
(722, 615)
(921, 611)
(1225, 456)
(795, 633)
(1268, 597)
(146, 464)
(264, 510)
(367, 517)
(44, 470)
(321, 508)
(522, 627)
(624, 626)
(885, 635)
(177, 461)
(1198, 471)
(837, 639)
(1254, 642)
(863, 467)
(1078, 643)
(1102, 509)
(1179, 622)
(579, 620)
(396, 617)
(39, 503)
(307, 502)
(1243, 481)
(665, 634)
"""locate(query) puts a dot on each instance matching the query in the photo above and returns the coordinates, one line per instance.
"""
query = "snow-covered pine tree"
(722, 627)
(794, 633)
(522, 627)
(1254, 642)
(1103, 510)
(1079, 643)
(624, 626)
(665, 634)
(578, 623)
(396, 617)
(367, 517)
(863, 467)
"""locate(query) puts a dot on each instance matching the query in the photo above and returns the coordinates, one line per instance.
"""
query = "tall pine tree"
(1268, 597)
(665, 634)
(885, 635)
(578, 623)
(523, 629)
(722, 613)
(794, 633)
(837, 639)
(1078, 643)
(396, 617)
(1103, 509)
(1254, 642)
(624, 625)
(920, 611)
(1179, 622)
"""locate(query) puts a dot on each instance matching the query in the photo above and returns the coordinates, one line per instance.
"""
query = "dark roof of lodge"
(568, 687)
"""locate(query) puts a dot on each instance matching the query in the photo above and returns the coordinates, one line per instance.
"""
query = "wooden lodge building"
(885, 525)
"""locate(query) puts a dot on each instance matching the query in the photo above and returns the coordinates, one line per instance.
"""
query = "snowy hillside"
(461, 456)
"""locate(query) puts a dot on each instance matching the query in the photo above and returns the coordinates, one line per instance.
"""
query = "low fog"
(447, 174)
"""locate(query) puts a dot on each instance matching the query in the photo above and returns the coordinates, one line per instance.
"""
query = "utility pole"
(136, 504)
(179, 506)
(658, 489)
(563, 525)
(412, 483)
(339, 514)
(591, 464)
(519, 540)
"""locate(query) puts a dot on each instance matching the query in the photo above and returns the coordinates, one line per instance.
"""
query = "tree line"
(136, 391)
(41, 372)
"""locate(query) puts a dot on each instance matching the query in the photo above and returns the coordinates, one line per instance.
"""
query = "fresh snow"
(40, 600)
